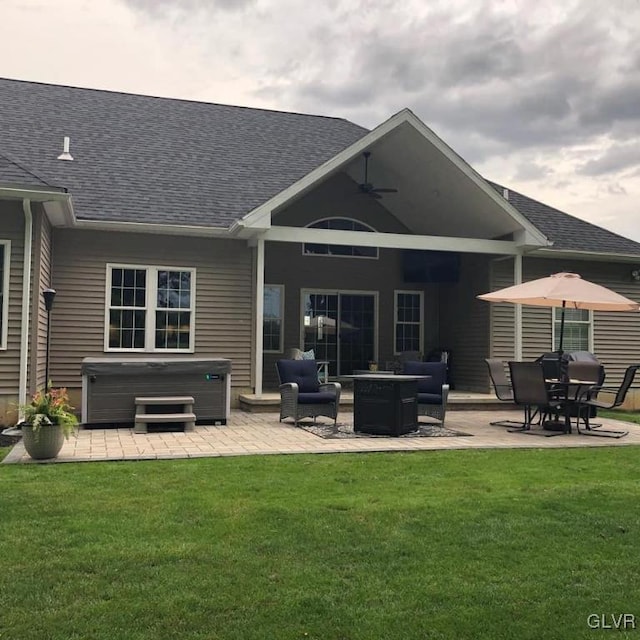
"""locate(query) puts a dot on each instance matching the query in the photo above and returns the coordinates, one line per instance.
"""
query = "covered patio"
(262, 434)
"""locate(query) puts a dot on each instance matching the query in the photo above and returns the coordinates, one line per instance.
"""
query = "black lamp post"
(48, 295)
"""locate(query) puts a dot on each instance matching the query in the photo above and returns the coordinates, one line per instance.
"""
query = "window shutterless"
(150, 308)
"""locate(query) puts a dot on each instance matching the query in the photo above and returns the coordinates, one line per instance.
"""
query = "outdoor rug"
(345, 430)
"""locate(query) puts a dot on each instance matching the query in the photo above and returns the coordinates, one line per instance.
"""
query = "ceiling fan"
(368, 188)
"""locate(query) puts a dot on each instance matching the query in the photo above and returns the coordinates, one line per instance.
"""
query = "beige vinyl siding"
(41, 277)
(223, 319)
(465, 324)
(502, 315)
(12, 228)
(616, 336)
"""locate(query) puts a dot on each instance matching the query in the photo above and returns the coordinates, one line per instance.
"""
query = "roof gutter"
(57, 203)
(162, 229)
(549, 252)
(26, 298)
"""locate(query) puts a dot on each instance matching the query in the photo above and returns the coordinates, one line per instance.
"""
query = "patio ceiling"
(435, 196)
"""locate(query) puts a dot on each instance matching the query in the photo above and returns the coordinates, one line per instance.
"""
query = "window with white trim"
(272, 322)
(349, 251)
(578, 326)
(408, 321)
(5, 257)
(150, 308)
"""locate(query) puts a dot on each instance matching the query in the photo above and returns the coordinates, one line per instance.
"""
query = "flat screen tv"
(430, 266)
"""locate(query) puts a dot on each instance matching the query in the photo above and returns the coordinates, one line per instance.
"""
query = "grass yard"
(453, 544)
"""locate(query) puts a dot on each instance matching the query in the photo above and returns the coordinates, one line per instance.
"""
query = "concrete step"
(164, 400)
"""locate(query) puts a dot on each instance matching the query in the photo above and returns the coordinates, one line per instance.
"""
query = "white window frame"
(420, 294)
(366, 226)
(150, 308)
(589, 323)
(5, 294)
(281, 317)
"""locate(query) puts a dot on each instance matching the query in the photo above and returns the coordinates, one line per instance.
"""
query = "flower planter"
(43, 443)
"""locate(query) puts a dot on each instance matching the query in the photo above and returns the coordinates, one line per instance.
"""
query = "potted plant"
(48, 420)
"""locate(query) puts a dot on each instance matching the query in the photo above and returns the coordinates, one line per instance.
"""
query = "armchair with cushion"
(433, 392)
(301, 395)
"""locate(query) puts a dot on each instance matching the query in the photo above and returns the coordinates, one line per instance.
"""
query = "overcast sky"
(541, 96)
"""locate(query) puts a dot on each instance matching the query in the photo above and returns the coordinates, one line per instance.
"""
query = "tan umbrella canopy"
(563, 290)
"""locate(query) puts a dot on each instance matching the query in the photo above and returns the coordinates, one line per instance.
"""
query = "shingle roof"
(168, 161)
(159, 160)
(567, 232)
(13, 174)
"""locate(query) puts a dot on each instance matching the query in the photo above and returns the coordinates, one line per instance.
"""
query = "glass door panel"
(357, 322)
(340, 328)
(319, 323)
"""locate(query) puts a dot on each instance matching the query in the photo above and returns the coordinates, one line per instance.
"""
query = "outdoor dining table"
(567, 403)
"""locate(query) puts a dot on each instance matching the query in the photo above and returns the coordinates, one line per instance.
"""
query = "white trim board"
(390, 240)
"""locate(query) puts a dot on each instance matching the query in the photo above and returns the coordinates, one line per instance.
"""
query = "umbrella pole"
(564, 304)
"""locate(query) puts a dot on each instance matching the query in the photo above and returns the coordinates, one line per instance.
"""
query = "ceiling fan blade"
(366, 186)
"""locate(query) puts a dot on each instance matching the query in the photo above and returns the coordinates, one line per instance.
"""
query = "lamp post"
(48, 295)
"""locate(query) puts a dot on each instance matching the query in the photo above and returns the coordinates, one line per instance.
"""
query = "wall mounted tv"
(430, 266)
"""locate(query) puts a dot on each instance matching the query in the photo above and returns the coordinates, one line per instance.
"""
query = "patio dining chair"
(592, 398)
(301, 395)
(502, 389)
(531, 392)
(584, 371)
(433, 392)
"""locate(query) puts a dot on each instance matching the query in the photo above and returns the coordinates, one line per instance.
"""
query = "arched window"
(341, 250)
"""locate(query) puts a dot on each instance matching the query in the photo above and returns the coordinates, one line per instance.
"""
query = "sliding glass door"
(340, 326)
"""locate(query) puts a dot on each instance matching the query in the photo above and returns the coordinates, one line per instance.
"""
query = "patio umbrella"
(566, 290)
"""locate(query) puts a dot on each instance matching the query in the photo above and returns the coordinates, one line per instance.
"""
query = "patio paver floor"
(261, 434)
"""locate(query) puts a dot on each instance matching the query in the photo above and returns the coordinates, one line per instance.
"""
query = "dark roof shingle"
(160, 160)
(167, 161)
(567, 232)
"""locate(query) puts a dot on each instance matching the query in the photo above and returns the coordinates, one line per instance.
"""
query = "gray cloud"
(532, 171)
(617, 158)
(515, 81)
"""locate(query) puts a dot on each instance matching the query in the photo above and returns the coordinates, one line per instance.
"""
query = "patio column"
(517, 279)
(258, 356)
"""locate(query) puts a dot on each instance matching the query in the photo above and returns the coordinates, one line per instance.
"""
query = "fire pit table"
(385, 404)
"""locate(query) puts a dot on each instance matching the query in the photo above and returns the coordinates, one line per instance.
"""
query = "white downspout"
(26, 301)
(259, 315)
(517, 279)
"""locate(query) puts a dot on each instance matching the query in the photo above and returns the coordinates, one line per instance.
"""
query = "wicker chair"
(301, 395)
(433, 392)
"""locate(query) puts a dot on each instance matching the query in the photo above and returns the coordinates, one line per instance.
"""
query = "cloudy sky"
(541, 96)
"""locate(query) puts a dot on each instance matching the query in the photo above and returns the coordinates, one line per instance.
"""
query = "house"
(174, 227)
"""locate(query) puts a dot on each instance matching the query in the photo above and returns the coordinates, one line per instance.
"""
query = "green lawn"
(453, 544)
(627, 416)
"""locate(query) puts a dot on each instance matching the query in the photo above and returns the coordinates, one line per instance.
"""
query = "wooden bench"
(142, 418)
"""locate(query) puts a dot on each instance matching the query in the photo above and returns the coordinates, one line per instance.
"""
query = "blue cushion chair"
(301, 395)
(433, 392)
